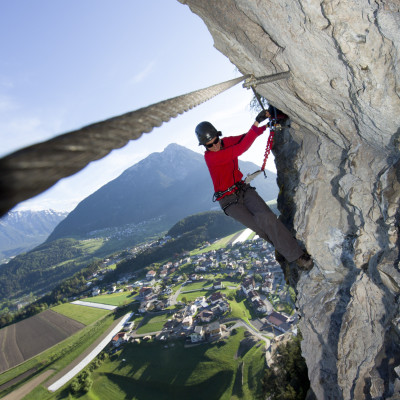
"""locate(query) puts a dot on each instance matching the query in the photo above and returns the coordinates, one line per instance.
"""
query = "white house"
(128, 326)
(150, 275)
(266, 287)
(119, 338)
(144, 306)
(248, 285)
(218, 285)
(187, 322)
(191, 310)
(197, 335)
(205, 316)
(214, 330)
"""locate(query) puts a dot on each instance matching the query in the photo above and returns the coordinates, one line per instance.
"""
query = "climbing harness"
(235, 187)
(31, 170)
(240, 186)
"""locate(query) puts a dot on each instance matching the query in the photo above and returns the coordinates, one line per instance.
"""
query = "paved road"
(174, 297)
(74, 368)
(253, 332)
(94, 305)
(243, 236)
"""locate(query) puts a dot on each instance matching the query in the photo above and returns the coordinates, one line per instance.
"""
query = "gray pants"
(247, 207)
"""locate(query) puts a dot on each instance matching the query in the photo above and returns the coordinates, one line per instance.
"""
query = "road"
(175, 296)
(75, 367)
(253, 332)
(243, 236)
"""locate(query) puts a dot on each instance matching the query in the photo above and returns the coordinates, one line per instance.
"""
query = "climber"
(240, 200)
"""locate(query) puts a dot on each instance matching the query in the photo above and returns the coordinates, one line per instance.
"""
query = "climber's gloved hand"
(262, 116)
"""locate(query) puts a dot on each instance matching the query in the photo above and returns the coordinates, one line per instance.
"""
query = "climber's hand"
(262, 116)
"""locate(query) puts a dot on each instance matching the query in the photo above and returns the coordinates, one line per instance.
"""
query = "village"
(201, 297)
(225, 291)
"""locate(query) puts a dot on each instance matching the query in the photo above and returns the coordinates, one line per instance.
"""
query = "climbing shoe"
(305, 262)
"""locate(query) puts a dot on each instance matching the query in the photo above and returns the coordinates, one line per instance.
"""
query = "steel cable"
(33, 169)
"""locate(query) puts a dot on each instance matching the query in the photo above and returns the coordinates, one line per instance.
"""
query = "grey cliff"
(338, 170)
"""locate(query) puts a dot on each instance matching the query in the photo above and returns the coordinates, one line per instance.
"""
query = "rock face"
(338, 170)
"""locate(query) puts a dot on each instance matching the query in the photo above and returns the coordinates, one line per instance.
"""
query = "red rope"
(268, 148)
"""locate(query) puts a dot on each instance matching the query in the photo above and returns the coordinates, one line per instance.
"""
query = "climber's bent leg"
(233, 206)
(274, 229)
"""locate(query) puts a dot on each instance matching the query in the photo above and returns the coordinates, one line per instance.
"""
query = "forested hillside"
(43, 267)
(187, 234)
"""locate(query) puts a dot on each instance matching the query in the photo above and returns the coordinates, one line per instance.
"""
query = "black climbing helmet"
(205, 132)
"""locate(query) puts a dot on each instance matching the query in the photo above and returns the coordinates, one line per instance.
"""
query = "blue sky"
(67, 64)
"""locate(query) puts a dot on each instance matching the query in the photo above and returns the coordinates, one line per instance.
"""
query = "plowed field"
(25, 339)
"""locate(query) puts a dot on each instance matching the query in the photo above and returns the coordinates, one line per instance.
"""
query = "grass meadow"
(149, 371)
(197, 285)
(82, 314)
(114, 299)
(153, 323)
(219, 244)
(191, 296)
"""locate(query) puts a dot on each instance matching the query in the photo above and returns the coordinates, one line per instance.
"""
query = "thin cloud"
(141, 76)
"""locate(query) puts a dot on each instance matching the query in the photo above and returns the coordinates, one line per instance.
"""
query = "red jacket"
(223, 164)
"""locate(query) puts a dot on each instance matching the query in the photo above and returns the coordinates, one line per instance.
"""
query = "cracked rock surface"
(338, 171)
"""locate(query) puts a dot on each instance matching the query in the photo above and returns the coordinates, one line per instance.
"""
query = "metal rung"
(253, 81)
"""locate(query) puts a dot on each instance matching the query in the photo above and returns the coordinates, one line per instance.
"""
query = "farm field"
(25, 339)
(57, 357)
(82, 314)
(115, 299)
(229, 369)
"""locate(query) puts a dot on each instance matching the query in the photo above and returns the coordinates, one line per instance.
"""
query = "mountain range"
(164, 187)
(21, 231)
(144, 202)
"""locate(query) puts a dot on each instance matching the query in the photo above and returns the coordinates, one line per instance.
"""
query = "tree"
(288, 377)
(87, 384)
(75, 386)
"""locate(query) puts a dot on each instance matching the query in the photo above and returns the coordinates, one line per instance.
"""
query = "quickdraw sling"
(273, 126)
